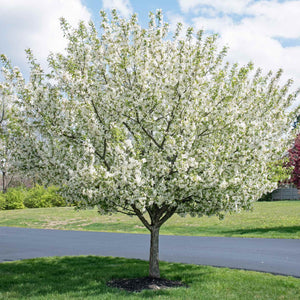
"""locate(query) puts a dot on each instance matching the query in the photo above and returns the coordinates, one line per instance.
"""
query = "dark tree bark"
(3, 182)
(154, 253)
(158, 216)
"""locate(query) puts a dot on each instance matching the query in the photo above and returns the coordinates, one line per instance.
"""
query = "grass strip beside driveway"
(85, 277)
(279, 219)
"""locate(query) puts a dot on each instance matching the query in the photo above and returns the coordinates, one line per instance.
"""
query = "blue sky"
(141, 7)
(266, 32)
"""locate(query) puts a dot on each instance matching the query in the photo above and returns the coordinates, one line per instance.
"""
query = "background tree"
(133, 120)
(294, 162)
(8, 166)
(4, 136)
(15, 139)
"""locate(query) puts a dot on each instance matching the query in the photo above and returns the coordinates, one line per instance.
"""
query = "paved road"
(278, 256)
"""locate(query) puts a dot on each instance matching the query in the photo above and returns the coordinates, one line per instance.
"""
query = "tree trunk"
(3, 183)
(158, 217)
(154, 253)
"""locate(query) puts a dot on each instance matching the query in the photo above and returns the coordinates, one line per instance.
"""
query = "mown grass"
(85, 277)
(267, 220)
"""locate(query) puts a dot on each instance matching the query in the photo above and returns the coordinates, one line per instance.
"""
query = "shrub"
(14, 198)
(54, 197)
(266, 197)
(36, 197)
(39, 196)
(2, 201)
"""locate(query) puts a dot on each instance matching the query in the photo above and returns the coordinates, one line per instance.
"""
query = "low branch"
(141, 217)
(167, 216)
(150, 213)
(126, 213)
(124, 209)
(162, 211)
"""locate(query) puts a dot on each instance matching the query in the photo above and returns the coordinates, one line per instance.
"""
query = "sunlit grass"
(85, 277)
(267, 220)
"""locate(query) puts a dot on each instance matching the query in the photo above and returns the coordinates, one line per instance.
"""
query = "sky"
(266, 32)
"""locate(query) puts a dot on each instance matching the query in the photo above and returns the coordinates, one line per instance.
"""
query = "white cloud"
(227, 6)
(254, 34)
(123, 6)
(245, 46)
(291, 63)
(174, 19)
(35, 24)
(277, 18)
(214, 24)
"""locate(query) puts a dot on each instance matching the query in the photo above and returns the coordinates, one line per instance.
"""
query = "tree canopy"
(8, 165)
(294, 163)
(151, 123)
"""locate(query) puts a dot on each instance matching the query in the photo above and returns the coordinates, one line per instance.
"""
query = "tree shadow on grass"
(262, 231)
(83, 276)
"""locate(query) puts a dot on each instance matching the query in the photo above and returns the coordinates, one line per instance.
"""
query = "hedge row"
(38, 196)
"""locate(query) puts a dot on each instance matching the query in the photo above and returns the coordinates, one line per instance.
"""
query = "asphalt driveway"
(278, 256)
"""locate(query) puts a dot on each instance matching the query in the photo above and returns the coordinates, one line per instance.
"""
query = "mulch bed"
(144, 283)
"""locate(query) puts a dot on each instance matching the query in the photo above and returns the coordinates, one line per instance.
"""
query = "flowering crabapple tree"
(8, 167)
(294, 162)
(141, 122)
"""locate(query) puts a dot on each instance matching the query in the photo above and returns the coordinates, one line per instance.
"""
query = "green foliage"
(14, 198)
(36, 197)
(2, 202)
(39, 196)
(266, 197)
(280, 170)
(56, 199)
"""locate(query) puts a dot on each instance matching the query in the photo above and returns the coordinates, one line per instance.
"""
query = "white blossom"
(131, 120)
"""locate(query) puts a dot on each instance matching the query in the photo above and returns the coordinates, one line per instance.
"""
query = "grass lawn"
(267, 220)
(85, 277)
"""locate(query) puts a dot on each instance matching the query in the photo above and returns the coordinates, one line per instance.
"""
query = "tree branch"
(130, 130)
(172, 116)
(2, 114)
(76, 139)
(167, 216)
(141, 217)
(124, 208)
(150, 136)
(147, 133)
(126, 213)
(96, 112)
(8, 183)
(104, 160)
